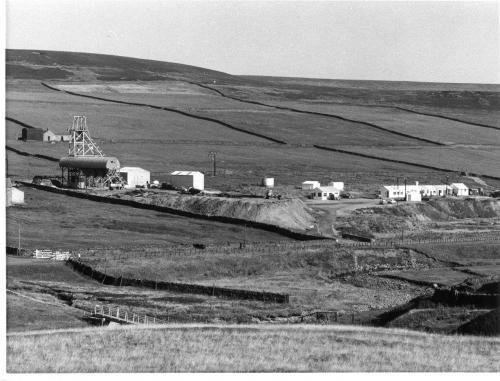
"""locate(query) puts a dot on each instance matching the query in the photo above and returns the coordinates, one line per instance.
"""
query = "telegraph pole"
(212, 155)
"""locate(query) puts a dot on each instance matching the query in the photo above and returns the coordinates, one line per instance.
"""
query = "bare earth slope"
(291, 214)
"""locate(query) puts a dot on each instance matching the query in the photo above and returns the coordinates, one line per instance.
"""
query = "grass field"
(50, 220)
(311, 276)
(248, 348)
(464, 253)
(437, 129)
(163, 141)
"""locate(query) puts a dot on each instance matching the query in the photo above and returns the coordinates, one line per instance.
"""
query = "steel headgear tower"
(86, 166)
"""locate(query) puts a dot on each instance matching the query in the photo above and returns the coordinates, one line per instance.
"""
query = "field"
(259, 127)
(248, 349)
(56, 221)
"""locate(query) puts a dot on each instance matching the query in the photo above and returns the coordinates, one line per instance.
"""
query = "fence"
(178, 287)
(49, 254)
(117, 314)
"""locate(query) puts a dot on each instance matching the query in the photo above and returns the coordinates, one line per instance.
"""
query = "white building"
(325, 193)
(135, 176)
(459, 189)
(310, 185)
(337, 184)
(188, 179)
(397, 192)
(14, 195)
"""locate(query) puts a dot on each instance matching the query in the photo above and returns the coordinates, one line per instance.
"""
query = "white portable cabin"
(188, 179)
(134, 176)
(325, 193)
(337, 184)
(310, 185)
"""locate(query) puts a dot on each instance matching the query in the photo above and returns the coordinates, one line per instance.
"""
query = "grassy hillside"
(248, 348)
(56, 221)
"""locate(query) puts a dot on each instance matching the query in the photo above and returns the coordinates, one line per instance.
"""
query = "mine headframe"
(86, 166)
(81, 144)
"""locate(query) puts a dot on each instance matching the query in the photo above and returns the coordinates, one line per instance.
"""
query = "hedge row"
(177, 287)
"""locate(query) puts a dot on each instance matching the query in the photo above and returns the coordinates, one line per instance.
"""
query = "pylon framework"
(81, 144)
(86, 166)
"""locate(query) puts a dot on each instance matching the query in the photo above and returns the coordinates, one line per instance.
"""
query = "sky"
(439, 41)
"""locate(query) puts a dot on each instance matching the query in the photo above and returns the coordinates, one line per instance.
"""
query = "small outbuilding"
(135, 176)
(325, 193)
(43, 135)
(310, 185)
(32, 134)
(14, 195)
(188, 179)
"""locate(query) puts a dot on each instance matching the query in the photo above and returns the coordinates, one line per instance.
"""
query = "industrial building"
(414, 192)
(86, 166)
(325, 193)
(135, 176)
(14, 195)
(310, 185)
(41, 135)
(188, 179)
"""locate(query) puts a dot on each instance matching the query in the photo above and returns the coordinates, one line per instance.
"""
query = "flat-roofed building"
(135, 176)
(188, 179)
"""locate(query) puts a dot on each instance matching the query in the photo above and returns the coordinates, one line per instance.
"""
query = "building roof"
(310, 182)
(186, 173)
(413, 187)
(459, 185)
(328, 189)
(129, 169)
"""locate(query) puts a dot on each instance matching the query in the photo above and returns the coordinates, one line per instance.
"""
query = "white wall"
(135, 176)
(17, 196)
(196, 180)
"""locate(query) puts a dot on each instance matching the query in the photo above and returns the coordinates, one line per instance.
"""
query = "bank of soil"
(422, 215)
(289, 213)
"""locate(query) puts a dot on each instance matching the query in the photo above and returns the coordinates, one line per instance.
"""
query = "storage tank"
(90, 162)
(268, 182)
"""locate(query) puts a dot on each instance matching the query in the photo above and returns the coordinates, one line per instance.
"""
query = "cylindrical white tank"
(90, 162)
(268, 182)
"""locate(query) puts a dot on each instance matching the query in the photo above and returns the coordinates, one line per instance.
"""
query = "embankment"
(410, 216)
(289, 214)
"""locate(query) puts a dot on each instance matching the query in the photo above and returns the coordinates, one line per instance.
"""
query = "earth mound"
(290, 213)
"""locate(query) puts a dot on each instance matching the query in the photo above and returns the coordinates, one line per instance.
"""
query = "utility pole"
(212, 155)
(405, 188)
